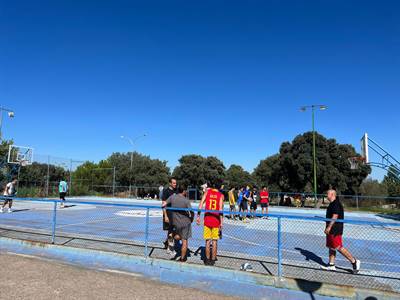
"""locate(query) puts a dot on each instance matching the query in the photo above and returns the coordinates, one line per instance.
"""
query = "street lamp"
(132, 142)
(303, 109)
(10, 115)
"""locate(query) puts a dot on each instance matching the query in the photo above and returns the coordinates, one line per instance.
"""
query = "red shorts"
(334, 241)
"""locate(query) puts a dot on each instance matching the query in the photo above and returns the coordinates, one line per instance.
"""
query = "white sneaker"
(1, 210)
(329, 268)
(9, 210)
(356, 266)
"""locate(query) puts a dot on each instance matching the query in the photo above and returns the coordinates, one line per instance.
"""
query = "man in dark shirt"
(167, 216)
(334, 232)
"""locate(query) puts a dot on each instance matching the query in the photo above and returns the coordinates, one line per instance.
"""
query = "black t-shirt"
(335, 208)
(168, 193)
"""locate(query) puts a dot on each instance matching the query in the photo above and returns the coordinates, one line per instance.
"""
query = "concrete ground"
(23, 277)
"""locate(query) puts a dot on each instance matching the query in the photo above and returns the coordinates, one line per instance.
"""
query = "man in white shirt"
(9, 192)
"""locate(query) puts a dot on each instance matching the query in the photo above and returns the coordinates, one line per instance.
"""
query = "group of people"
(10, 191)
(177, 219)
(178, 216)
(241, 200)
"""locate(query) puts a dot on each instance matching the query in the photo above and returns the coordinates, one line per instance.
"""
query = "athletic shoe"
(165, 243)
(329, 268)
(9, 210)
(212, 262)
(1, 210)
(62, 205)
(356, 266)
(183, 259)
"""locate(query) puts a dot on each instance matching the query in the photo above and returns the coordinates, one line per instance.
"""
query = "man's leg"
(184, 250)
(332, 257)
(354, 262)
(214, 250)
(207, 251)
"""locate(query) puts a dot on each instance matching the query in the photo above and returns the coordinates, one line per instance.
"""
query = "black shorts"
(168, 226)
(243, 205)
(264, 205)
(62, 195)
(253, 205)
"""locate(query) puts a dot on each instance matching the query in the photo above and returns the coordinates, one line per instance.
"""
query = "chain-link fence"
(290, 245)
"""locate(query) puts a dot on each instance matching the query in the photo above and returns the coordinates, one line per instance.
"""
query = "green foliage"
(145, 171)
(392, 181)
(237, 177)
(195, 170)
(372, 187)
(292, 169)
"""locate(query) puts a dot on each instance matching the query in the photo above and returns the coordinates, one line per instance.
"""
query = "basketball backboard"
(20, 155)
(364, 148)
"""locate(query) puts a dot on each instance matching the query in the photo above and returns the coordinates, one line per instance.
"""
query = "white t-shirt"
(10, 189)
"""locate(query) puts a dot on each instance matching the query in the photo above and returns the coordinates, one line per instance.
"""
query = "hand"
(327, 230)
(164, 204)
(220, 226)
(198, 220)
(166, 220)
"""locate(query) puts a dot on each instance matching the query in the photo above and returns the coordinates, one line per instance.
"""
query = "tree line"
(289, 170)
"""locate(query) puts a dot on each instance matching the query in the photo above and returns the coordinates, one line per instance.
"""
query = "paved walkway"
(25, 277)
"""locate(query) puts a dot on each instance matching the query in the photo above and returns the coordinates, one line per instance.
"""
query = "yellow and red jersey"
(213, 200)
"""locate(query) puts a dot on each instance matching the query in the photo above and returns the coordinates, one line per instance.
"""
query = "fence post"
(48, 176)
(146, 237)
(53, 230)
(279, 247)
(113, 187)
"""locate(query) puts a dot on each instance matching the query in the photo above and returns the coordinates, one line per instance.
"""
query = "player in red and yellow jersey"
(212, 199)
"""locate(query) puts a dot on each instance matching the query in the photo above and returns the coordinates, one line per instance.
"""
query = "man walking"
(9, 192)
(167, 217)
(182, 219)
(213, 199)
(334, 232)
(62, 189)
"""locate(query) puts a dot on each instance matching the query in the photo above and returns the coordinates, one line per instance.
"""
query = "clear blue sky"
(223, 78)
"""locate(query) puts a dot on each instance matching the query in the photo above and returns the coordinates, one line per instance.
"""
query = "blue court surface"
(303, 241)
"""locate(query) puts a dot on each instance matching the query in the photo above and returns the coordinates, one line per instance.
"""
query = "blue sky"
(222, 78)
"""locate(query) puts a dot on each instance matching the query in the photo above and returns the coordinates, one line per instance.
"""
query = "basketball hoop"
(24, 163)
(355, 162)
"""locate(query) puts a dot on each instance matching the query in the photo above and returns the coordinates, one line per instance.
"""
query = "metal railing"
(283, 245)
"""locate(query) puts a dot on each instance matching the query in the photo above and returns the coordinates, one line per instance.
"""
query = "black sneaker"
(356, 266)
(206, 262)
(212, 262)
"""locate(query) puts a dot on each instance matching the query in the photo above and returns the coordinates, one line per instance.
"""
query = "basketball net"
(355, 162)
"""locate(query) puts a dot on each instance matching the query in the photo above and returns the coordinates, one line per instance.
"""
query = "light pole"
(10, 114)
(132, 142)
(303, 109)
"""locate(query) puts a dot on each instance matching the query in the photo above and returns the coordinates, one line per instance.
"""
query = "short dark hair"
(14, 178)
(171, 178)
(181, 188)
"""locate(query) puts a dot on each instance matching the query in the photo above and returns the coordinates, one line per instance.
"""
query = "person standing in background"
(62, 189)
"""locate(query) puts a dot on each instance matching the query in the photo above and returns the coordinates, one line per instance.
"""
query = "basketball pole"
(314, 156)
(303, 109)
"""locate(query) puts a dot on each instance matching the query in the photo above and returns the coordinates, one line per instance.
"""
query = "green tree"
(292, 168)
(195, 170)
(372, 187)
(392, 181)
(237, 177)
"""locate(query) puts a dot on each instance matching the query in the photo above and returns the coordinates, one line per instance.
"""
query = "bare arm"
(200, 207)
(221, 207)
(329, 227)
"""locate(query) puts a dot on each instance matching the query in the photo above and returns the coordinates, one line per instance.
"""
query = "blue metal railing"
(279, 218)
